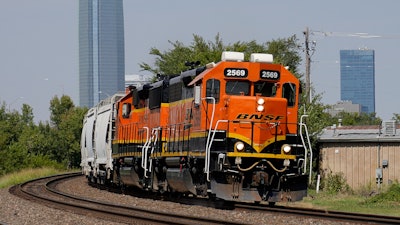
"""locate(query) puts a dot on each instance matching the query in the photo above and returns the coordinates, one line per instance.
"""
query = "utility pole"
(308, 62)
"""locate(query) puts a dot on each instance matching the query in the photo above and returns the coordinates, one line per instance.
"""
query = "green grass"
(27, 174)
(338, 196)
(385, 203)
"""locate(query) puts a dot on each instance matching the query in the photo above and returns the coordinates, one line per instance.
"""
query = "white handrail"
(145, 144)
(305, 149)
(206, 165)
(146, 151)
(155, 130)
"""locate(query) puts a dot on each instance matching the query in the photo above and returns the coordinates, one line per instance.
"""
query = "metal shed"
(366, 155)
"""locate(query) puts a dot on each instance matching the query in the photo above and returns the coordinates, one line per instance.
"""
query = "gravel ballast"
(16, 211)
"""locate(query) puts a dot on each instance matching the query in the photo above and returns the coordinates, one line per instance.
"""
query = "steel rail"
(44, 190)
(325, 214)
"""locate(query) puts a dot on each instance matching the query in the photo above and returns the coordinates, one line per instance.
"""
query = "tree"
(18, 138)
(27, 115)
(396, 117)
(31, 150)
(317, 118)
(66, 131)
(70, 130)
(352, 119)
(286, 52)
(173, 61)
(26, 145)
(59, 107)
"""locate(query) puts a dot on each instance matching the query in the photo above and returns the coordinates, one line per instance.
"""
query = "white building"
(136, 80)
(344, 106)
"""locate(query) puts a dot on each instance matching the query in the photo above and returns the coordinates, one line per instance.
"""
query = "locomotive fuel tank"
(180, 180)
(128, 174)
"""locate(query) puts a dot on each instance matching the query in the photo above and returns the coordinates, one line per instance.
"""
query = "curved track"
(325, 214)
(43, 191)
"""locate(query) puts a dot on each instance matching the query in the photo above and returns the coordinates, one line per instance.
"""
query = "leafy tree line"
(286, 51)
(23, 144)
(57, 143)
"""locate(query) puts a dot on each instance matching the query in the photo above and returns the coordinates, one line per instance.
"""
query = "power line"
(350, 34)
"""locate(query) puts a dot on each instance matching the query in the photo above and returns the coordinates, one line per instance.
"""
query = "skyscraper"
(101, 50)
(357, 78)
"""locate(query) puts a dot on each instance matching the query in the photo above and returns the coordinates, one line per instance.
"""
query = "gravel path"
(17, 211)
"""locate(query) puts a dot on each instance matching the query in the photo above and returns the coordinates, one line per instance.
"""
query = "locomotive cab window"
(126, 110)
(237, 87)
(289, 92)
(265, 89)
(212, 89)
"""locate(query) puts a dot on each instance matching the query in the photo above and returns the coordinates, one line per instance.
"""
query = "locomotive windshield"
(243, 88)
(265, 89)
(237, 87)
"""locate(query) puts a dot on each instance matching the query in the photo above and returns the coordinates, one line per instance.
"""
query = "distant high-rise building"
(101, 50)
(357, 78)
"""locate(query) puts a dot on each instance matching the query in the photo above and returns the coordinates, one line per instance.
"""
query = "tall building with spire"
(357, 78)
(101, 50)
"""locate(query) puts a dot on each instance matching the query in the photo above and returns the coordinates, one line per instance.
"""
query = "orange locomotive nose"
(258, 129)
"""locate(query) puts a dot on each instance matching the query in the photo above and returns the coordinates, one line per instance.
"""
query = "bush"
(367, 190)
(389, 197)
(336, 183)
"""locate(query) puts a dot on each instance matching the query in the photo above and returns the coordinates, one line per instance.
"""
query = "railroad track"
(325, 214)
(43, 191)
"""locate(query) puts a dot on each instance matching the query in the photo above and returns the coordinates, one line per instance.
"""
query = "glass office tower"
(101, 50)
(357, 78)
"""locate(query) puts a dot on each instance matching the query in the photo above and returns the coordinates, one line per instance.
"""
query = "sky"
(39, 41)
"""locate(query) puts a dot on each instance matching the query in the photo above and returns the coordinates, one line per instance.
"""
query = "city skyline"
(40, 59)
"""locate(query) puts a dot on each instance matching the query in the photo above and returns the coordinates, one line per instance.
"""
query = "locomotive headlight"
(260, 106)
(239, 146)
(286, 148)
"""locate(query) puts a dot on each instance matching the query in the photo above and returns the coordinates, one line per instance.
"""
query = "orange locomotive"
(229, 131)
